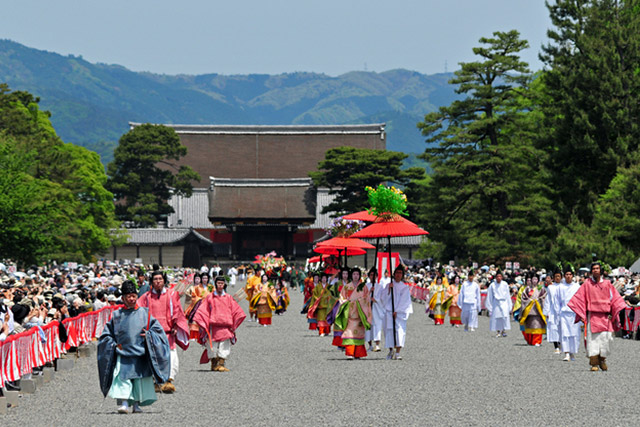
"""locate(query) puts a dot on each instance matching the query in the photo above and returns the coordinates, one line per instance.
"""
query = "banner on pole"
(382, 263)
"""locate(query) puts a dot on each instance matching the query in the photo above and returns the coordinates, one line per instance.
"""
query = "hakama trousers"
(532, 339)
(175, 363)
(598, 343)
(356, 351)
(401, 328)
(220, 349)
(499, 323)
(469, 315)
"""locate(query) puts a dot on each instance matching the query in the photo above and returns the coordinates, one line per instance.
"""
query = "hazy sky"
(272, 36)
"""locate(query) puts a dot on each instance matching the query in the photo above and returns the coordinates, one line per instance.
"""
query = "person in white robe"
(232, 272)
(470, 303)
(568, 329)
(374, 335)
(402, 308)
(551, 310)
(499, 305)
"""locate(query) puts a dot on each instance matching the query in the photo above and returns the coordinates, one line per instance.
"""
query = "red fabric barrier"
(22, 352)
(628, 324)
(419, 293)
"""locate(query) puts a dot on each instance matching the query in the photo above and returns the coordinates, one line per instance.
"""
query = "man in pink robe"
(218, 317)
(164, 305)
(597, 303)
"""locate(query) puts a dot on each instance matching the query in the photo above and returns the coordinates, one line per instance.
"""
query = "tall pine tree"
(487, 199)
(591, 105)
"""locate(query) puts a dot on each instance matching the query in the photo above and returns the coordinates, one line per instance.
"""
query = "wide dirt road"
(287, 375)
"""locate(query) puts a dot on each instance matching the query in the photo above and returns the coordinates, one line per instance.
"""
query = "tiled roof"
(322, 220)
(374, 128)
(190, 211)
(157, 236)
(249, 200)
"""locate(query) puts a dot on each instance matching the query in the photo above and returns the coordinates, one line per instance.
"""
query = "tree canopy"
(53, 204)
(144, 173)
(486, 198)
(346, 171)
(591, 109)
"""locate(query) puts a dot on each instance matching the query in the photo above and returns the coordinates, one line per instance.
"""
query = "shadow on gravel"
(116, 414)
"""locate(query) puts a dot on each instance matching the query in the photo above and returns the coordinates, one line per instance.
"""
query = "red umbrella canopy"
(345, 242)
(314, 259)
(396, 226)
(332, 250)
(360, 216)
(366, 216)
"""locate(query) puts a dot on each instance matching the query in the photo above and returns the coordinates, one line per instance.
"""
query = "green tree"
(346, 171)
(591, 108)
(613, 234)
(144, 174)
(54, 202)
(487, 198)
(23, 216)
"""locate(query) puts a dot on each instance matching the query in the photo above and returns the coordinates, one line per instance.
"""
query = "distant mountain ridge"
(91, 104)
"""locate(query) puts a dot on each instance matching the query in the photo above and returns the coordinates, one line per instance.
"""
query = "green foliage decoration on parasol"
(386, 201)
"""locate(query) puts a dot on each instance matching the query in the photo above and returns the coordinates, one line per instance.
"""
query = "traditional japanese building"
(259, 194)
(255, 195)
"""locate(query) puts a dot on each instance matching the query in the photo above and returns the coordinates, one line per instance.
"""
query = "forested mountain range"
(91, 104)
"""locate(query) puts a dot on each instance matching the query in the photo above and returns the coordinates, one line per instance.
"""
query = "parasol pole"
(393, 304)
(345, 257)
(375, 259)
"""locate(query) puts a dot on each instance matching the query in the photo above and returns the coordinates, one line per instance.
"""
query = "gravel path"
(287, 375)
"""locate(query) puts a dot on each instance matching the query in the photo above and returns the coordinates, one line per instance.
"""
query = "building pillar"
(115, 253)
(137, 251)
(160, 255)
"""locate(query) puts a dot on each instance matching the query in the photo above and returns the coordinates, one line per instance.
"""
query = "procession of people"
(362, 311)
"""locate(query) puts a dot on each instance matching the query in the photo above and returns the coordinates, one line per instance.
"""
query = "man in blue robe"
(132, 351)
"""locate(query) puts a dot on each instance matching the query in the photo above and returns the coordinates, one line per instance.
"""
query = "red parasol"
(390, 226)
(366, 216)
(360, 216)
(329, 250)
(346, 246)
(345, 242)
(315, 259)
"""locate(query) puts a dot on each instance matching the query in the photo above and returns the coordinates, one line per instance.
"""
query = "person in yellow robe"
(436, 300)
(196, 292)
(264, 301)
(253, 281)
(451, 302)
(320, 304)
